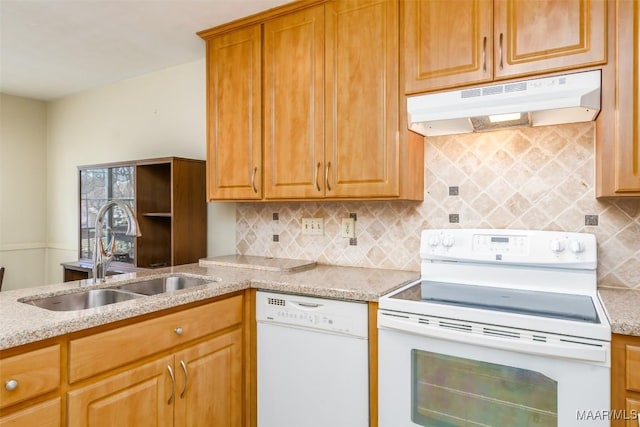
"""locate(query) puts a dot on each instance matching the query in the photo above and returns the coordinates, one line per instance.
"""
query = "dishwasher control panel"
(342, 317)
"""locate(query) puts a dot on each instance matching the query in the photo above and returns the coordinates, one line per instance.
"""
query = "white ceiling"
(53, 48)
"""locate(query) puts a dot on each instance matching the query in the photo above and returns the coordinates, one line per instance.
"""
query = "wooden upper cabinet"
(234, 115)
(449, 44)
(294, 105)
(329, 109)
(361, 115)
(618, 125)
(534, 36)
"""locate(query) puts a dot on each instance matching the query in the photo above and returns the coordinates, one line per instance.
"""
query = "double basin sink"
(93, 298)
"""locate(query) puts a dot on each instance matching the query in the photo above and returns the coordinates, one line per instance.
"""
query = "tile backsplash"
(530, 178)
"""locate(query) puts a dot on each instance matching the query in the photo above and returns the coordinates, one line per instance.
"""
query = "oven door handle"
(566, 350)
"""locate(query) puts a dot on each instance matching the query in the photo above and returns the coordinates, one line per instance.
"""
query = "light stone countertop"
(623, 309)
(24, 323)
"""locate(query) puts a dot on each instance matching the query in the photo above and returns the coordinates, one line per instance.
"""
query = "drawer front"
(46, 414)
(103, 351)
(28, 375)
(633, 368)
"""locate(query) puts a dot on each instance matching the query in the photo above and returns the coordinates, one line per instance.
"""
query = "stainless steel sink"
(82, 300)
(100, 297)
(161, 285)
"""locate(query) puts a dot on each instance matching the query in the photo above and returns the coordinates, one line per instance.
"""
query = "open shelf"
(168, 197)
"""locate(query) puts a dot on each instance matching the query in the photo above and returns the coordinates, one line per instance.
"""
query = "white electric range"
(504, 328)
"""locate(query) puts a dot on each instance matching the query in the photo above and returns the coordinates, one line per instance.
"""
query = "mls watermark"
(606, 414)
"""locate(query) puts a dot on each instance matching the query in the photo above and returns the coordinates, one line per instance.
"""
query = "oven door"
(441, 372)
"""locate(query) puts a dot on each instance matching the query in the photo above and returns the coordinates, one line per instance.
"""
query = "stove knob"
(556, 245)
(434, 241)
(576, 246)
(448, 241)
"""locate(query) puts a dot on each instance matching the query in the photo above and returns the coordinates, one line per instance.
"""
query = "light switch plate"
(348, 227)
(313, 226)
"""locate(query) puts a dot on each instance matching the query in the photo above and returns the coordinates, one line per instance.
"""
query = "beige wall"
(156, 115)
(23, 156)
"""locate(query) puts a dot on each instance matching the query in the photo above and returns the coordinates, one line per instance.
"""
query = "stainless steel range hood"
(544, 101)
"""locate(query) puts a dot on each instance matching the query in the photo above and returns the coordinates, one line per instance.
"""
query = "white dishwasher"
(313, 361)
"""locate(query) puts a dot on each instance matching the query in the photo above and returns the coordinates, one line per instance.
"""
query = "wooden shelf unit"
(169, 200)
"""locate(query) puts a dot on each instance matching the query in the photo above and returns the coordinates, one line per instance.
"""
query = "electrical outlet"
(313, 226)
(348, 227)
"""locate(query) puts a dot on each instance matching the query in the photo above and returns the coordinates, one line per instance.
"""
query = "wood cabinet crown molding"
(258, 18)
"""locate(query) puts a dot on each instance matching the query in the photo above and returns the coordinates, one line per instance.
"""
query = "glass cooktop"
(533, 303)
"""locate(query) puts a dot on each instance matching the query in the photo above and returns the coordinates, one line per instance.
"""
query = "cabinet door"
(210, 383)
(618, 124)
(447, 43)
(234, 90)
(362, 99)
(633, 413)
(140, 396)
(534, 37)
(293, 105)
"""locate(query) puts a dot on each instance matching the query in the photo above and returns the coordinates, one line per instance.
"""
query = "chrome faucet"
(102, 256)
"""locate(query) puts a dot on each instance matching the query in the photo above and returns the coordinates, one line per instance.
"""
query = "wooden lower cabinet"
(180, 367)
(136, 397)
(198, 386)
(27, 378)
(45, 414)
(625, 380)
(212, 392)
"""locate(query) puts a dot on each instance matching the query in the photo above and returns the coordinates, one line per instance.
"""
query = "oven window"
(453, 391)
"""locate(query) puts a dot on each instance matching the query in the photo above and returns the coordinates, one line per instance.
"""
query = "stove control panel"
(552, 248)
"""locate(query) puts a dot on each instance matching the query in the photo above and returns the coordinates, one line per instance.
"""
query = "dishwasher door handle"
(306, 305)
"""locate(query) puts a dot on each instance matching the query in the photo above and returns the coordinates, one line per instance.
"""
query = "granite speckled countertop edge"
(22, 324)
(623, 309)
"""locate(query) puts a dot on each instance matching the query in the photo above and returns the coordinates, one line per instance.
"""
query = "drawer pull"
(253, 180)
(178, 330)
(173, 385)
(500, 50)
(484, 54)
(316, 176)
(11, 385)
(186, 378)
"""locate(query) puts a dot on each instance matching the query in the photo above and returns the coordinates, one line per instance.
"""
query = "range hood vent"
(568, 98)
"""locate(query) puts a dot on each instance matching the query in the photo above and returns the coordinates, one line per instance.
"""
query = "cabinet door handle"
(326, 176)
(316, 176)
(11, 385)
(178, 330)
(253, 179)
(500, 52)
(484, 54)
(173, 385)
(186, 378)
